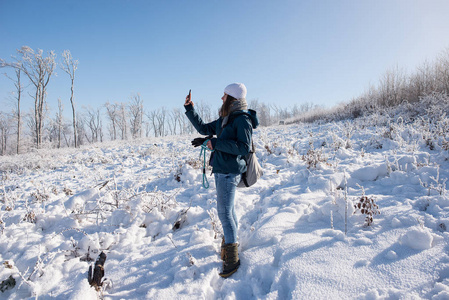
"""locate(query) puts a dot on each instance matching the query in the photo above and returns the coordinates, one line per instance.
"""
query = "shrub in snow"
(337, 142)
(215, 222)
(39, 196)
(186, 173)
(192, 259)
(30, 217)
(435, 183)
(181, 219)
(367, 207)
(388, 133)
(157, 200)
(77, 202)
(268, 149)
(314, 157)
(273, 149)
(67, 191)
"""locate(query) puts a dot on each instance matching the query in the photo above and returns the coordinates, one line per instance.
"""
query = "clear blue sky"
(286, 52)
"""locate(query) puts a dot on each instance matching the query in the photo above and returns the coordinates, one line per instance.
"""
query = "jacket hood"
(254, 118)
(252, 114)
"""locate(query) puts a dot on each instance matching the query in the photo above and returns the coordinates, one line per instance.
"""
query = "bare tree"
(94, 123)
(443, 71)
(161, 117)
(117, 115)
(253, 104)
(153, 121)
(176, 117)
(30, 124)
(67, 134)
(392, 87)
(60, 121)
(39, 70)
(4, 132)
(69, 66)
(136, 115)
(173, 121)
(81, 131)
(204, 111)
(122, 120)
(277, 112)
(111, 111)
(264, 115)
(148, 127)
(18, 95)
(186, 125)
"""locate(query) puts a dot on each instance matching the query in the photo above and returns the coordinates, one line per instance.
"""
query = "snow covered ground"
(61, 208)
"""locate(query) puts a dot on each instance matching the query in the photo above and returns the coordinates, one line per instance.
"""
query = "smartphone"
(189, 97)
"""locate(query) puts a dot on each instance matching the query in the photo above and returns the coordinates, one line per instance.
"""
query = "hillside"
(61, 208)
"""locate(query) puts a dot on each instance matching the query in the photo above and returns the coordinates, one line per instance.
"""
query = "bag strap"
(245, 181)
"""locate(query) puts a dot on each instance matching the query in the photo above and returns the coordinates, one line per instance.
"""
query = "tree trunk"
(19, 120)
(73, 113)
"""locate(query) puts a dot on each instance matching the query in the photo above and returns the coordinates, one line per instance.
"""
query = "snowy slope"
(61, 208)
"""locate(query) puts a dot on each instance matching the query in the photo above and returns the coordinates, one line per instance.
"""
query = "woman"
(233, 131)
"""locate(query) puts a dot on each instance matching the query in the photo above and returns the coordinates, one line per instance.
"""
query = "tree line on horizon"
(32, 71)
(395, 88)
(22, 132)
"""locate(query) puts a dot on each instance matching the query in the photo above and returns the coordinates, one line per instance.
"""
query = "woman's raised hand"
(189, 99)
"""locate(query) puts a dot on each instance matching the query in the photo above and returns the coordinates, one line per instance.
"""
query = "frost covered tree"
(421, 83)
(69, 65)
(147, 126)
(135, 109)
(81, 131)
(391, 87)
(4, 132)
(254, 104)
(122, 120)
(176, 116)
(204, 111)
(17, 97)
(59, 121)
(264, 114)
(161, 117)
(111, 112)
(39, 70)
(156, 118)
(92, 119)
(442, 70)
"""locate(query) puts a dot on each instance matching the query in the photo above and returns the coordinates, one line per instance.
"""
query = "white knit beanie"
(236, 90)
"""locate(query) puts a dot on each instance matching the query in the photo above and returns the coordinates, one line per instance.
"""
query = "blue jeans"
(226, 185)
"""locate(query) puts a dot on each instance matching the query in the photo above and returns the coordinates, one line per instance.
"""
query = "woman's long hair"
(224, 110)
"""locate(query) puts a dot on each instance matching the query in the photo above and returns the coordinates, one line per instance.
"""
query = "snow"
(61, 208)
(417, 238)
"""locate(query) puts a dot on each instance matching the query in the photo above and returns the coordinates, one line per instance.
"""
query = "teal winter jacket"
(231, 143)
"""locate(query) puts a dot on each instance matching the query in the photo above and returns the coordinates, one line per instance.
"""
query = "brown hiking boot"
(231, 260)
(222, 253)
